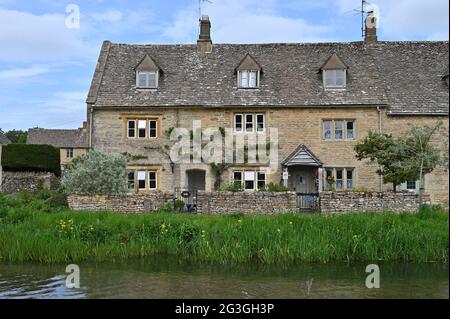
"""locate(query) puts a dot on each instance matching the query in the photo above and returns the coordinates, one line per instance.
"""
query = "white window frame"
(247, 84)
(263, 122)
(333, 74)
(138, 179)
(331, 130)
(342, 130)
(128, 128)
(156, 179)
(249, 173)
(139, 128)
(134, 180)
(150, 128)
(347, 170)
(242, 123)
(253, 122)
(346, 130)
(258, 180)
(411, 189)
(147, 79)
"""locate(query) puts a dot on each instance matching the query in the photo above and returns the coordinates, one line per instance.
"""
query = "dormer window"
(248, 73)
(334, 73)
(334, 79)
(147, 74)
(248, 79)
(147, 80)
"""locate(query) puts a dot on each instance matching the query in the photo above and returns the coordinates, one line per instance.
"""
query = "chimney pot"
(204, 43)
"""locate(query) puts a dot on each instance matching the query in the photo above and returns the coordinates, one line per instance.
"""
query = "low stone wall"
(133, 203)
(208, 203)
(218, 203)
(15, 182)
(340, 202)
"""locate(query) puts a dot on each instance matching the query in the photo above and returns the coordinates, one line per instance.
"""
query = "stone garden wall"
(15, 182)
(207, 203)
(340, 202)
(218, 203)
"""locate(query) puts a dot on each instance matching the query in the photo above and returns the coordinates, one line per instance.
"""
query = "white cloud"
(109, 16)
(27, 37)
(19, 73)
(246, 21)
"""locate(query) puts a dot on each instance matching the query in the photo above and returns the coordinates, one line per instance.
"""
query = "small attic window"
(147, 73)
(248, 73)
(147, 79)
(334, 73)
(334, 79)
(248, 79)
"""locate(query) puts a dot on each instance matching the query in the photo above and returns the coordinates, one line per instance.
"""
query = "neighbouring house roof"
(3, 139)
(302, 156)
(58, 138)
(405, 76)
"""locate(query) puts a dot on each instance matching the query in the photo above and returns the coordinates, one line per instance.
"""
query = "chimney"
(85, 127)
(371, 29)
(204, 43)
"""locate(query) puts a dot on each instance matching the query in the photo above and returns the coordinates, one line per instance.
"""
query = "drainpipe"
(90, 126)
(380, 130)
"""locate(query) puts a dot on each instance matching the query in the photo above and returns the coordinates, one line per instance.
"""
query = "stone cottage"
(71, 143)
(321, 97)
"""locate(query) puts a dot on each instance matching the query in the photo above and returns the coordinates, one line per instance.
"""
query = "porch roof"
(302, 156)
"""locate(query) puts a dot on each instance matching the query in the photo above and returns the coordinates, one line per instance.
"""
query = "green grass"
(34, 228)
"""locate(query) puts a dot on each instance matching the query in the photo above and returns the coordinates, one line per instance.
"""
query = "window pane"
(349, 178)
(238, 122)
(131, 128)
(142, 125)
(411, 185)
(340, 78)
(237, 176)
(327, 130)
(142, 79)
(260, 122)
(153, 128)
(350, 134)
(151, 79)
(339, 179)
(252, 80)
(141, 180)
(249, 180)
(131, 180)
(244, 79)
(329, 179)
(152, 180)
(329, 78)
(338, 130)
(261, 180)
(249, 122)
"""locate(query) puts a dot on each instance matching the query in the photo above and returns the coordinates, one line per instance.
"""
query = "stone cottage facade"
(321, 97)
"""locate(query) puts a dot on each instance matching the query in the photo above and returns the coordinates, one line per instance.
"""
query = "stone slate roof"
(58, 138)
(405, 76)
(3, 139)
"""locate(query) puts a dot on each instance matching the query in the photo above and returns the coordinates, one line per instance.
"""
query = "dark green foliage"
(31, 158)
(17, 136)
(273, 187)
(58, 200)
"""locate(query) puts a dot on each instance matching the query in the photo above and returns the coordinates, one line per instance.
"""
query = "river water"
(164, 277)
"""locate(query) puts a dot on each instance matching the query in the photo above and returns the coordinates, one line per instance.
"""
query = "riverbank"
(37, 229)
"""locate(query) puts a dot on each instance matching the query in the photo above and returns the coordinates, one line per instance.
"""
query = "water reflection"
(168, 278)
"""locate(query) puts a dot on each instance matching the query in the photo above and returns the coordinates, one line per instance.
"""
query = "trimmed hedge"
(31, 158)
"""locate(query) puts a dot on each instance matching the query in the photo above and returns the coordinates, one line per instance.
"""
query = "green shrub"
(58, 200)
(233, 187)
(31, 158)
(97, 173)
(272, 187)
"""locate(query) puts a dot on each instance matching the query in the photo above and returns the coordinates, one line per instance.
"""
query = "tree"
(382, 149)
(401, 159)
(17, 136)
(97, 173)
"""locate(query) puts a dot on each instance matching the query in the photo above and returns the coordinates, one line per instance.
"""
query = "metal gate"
(185, 199)
(308, 202)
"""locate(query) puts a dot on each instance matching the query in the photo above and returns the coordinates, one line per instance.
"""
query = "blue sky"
(46, 68)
